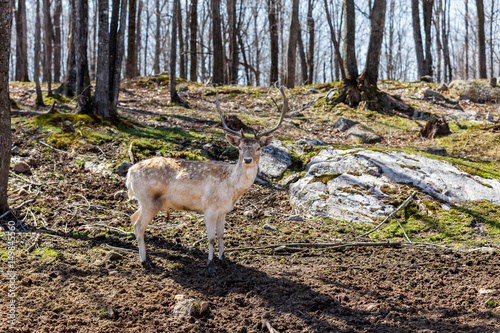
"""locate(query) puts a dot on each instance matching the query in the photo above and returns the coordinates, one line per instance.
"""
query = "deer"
(208, 187)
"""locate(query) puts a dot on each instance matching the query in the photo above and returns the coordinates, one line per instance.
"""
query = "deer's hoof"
(211, 269)
(147, 265)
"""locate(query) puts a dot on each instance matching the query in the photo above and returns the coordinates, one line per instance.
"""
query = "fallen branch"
(494, 127)
(16, 208)
(121, 249)
(107, 226)
(267, 324)
(391, 215)
(295, 246)
(65, 152)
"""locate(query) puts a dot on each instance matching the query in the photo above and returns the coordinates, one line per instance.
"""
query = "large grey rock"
(475, 90)
(343, 124)
(361, 134)
(352, 184)
(274, 160)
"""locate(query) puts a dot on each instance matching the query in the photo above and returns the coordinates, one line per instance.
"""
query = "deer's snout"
(247, 160)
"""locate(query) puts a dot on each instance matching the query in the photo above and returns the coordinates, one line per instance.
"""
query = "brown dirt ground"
(84, 285)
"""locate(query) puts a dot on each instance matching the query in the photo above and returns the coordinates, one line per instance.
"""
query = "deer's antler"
(284, 110)
(224, 124)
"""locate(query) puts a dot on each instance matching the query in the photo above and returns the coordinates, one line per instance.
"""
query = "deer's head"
(249, 148)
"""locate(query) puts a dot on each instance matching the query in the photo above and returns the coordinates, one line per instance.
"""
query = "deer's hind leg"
(141, 219)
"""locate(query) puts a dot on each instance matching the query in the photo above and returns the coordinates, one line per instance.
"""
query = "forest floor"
(75, 258)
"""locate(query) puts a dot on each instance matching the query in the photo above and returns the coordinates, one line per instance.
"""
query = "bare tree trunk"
(21, 43)
(47, 45)
(377, 23)
(102, 88)
(350, 62)
(57, 40)
(193, 40)
(427, 6)
(466, 40)
(117, 38)
(156, 61)
(174, 97)
(182, 47)
(5, 123)
(233, 42)
(80, 31)
(311, 45)
(303, 60)
(139, 37)
(274, 39)
(390, 44)
(68, 86)
(417, 35)
(445, 26)
(217, 48)
(131, 63)
(338, 56)
(293, 36)
(492, 49)
(362, 90)
(36, 60)
(481, 40)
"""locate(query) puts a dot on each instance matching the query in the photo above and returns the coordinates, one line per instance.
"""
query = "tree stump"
(435, 127)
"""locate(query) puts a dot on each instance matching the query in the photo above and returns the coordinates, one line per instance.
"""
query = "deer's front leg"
(210, 223)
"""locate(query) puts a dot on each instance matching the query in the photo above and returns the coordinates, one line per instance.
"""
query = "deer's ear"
(235, 141)
(265, 141)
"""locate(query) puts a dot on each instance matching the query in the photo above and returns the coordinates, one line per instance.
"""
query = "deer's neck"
(242, 178)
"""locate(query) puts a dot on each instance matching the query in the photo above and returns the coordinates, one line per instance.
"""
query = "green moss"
(326, 177)
(46, 253)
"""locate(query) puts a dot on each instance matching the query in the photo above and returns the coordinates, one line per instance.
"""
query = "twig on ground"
(267, 324)
(35, 244)
(121, 249)
(404, 232)
(25, 179)
(107, 226)
(16, 208)
(65, 152)
(390, 215)
(296, 246)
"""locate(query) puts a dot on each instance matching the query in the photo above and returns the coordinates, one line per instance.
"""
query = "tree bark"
(21, 43)
(5, 123)
(333, 36)
(131, 63)
(481, 39)
(182, 47)
(47, 45)
(311, 45)
(102, 88)
(303, 59)
(362, 90)
(427, 6)
(291, 52)
(417, 36)
(274, 41)
(68, 86)
(217, 48)
(80, 31)
(350, 62)
(233, 42)
(36, 60)
(377, 23)
(193, 40)
(57, 40)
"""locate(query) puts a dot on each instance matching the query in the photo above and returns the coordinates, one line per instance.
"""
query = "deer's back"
(179, 184)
